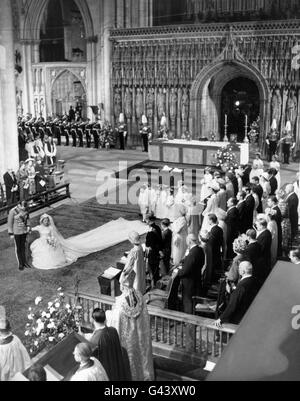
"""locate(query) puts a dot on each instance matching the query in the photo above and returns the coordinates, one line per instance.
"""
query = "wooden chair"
(208, 307)
(167, 299)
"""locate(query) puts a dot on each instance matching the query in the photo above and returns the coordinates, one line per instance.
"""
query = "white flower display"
(47, 327)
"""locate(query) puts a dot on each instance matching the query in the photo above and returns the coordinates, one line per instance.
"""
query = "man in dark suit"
(215, 245)
(153, 248)
(250, 205)
(166, 246)
(272, 204)
(190, 274)
(264, 238)
(241, 207)
(246, 173)
(253, 252)
(273, 181)
(11, 187)
(259, 191)
(241, 298)
(293, 202)
(233, 226)
(109, 350)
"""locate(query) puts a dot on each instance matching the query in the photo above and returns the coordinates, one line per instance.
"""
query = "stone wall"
(158, 70)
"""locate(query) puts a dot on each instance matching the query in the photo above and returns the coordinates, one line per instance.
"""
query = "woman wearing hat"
(136, 262)
(265, 184)
(180, 233)
(257, 167)
(13, 355)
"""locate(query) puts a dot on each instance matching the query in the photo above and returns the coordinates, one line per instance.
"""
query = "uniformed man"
(18, 228)
(121, 129)
(272, 142)
(287, 145)
(145, 132)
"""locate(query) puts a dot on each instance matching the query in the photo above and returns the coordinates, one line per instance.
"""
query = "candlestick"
(246, 140)
(225, 139)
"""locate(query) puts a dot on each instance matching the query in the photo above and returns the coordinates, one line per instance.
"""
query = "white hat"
(265, 176)
(144, 119)
(214, 186)
(288, 126)
(274, 124)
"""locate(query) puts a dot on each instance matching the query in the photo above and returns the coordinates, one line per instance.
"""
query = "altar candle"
(225, 119)
(246, 120)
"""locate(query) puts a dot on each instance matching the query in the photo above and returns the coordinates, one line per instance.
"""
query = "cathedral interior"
(204, 71)
(178, 58)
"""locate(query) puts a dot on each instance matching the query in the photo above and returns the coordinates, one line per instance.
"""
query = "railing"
(173, 333)
(43, 199)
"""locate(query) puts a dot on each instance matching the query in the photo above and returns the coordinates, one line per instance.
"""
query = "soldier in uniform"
(80, 132)
(145, 131)
(88, 129)
(121, 129)
(18, 228)
(74, 133)
(96, 134)
(287, 144)
(272, 142)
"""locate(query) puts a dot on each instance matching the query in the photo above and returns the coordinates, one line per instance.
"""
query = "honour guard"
(287, 143)
(145, 132)
(272, 141)
(121, 129)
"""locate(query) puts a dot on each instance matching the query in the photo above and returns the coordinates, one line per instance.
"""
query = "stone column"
(120, 13)
(9, 154)
(109, 24)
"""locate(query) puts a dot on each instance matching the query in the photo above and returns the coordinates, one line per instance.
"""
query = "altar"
(193, 152)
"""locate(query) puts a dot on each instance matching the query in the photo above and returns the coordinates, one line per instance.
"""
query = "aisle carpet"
(18, 289)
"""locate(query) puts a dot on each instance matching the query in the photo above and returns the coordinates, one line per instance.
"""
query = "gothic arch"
(70, 70)
(34, 14)
(224, 71)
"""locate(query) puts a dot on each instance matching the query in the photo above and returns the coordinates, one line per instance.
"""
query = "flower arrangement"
(48, 325)
(226, 159)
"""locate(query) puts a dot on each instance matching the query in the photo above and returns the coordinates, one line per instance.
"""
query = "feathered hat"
(288, 126)
(274, 125)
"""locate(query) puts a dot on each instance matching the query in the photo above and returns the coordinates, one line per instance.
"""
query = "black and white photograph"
(149, 193)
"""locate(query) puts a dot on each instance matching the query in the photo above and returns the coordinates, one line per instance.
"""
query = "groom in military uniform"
(18, 228)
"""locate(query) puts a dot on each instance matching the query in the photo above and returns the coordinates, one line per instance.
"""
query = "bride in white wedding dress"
(52, 251)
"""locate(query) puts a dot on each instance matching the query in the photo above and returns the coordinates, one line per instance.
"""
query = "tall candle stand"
(225, 130)
(246, 140)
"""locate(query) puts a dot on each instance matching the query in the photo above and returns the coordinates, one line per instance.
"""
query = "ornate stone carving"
(117, 103)
(128, 103)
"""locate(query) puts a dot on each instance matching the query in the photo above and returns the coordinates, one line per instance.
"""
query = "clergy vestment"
(110, 353)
